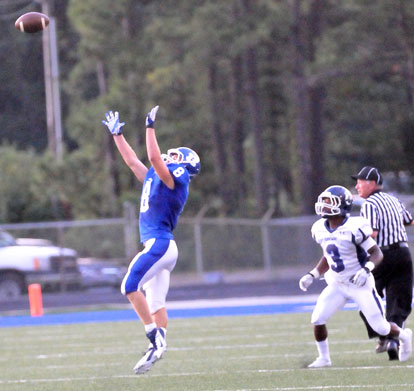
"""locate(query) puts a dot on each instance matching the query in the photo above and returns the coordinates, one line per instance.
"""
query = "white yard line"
(333, 387)
(215, 373)
(240, 301)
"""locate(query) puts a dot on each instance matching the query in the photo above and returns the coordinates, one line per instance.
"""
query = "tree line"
(280, 99)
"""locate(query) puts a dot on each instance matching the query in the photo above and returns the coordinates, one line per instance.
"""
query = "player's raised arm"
(127, 153)
(154, 153)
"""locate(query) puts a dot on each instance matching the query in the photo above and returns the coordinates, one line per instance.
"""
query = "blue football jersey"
(161, 206)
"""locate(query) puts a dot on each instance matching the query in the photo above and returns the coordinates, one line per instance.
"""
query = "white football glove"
(361, 277)
(149, 122)
(113, 124)
(306, 281)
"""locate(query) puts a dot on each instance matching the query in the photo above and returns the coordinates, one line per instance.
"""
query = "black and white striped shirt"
(387, 215)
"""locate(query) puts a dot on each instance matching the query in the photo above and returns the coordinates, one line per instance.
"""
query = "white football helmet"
(185, 156)
(334, 201)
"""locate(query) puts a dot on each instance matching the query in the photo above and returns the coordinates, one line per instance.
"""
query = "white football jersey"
(345, 248)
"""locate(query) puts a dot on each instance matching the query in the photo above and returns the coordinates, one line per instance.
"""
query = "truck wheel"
(11, 286)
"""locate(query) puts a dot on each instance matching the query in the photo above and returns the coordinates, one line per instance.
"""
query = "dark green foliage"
(190, 58)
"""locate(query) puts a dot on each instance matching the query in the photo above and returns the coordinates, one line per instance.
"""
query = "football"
(32, 22)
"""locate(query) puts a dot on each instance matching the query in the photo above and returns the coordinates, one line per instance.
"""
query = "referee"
(394, 275)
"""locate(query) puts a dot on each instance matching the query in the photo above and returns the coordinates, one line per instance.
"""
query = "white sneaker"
(405, 345)
(155, 352)
(320, 362)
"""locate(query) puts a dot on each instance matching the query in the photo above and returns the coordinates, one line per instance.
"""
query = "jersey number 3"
(333, 251)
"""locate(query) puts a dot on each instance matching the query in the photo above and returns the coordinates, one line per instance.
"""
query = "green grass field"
(218, 353)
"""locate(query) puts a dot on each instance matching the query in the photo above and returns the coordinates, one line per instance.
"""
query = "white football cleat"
(146, 362)
(320, 362)
(155, 352)
(405, 344)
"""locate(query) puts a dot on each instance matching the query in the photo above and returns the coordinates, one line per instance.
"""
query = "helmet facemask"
(172, 156)
(334, 201)
(328, 205)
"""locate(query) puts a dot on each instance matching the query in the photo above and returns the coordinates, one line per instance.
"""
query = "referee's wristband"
(369, 266)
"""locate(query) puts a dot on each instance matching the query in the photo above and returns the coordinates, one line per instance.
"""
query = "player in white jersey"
(349, 256)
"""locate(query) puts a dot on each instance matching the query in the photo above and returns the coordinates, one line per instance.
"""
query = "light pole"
(51, 75)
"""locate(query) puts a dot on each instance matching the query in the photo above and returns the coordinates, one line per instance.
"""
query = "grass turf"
(208, 354)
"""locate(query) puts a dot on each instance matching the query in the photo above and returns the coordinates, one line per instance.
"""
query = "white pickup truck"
(24, 261)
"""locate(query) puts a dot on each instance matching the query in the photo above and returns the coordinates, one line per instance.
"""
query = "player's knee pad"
(318, 319)
(318, 322)
(380, 326)
(156, 290)
(155, 299)
(156, 304)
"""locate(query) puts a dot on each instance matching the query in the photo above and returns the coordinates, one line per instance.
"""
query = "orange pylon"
(35, 300)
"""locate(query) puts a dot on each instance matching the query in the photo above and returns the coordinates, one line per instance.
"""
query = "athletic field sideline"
(176, 309)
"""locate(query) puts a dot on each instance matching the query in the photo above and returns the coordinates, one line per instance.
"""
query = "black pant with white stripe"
(394, 276)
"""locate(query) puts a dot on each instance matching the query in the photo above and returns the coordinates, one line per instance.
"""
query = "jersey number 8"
(145, 196)
(178, 172)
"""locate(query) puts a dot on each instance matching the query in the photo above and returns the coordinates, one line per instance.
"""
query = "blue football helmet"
(334, 201)
(185, 156)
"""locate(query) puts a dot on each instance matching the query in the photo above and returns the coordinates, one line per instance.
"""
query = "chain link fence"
(205, 244)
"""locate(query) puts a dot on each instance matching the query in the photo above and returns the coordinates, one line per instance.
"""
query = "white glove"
(306, 281)
(113, 124)
(149, 122)
(361, 277)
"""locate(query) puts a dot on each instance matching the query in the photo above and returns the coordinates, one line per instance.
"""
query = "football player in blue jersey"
(349, 256)
(164, 193)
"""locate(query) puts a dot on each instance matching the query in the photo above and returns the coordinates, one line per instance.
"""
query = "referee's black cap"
(369, 174)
